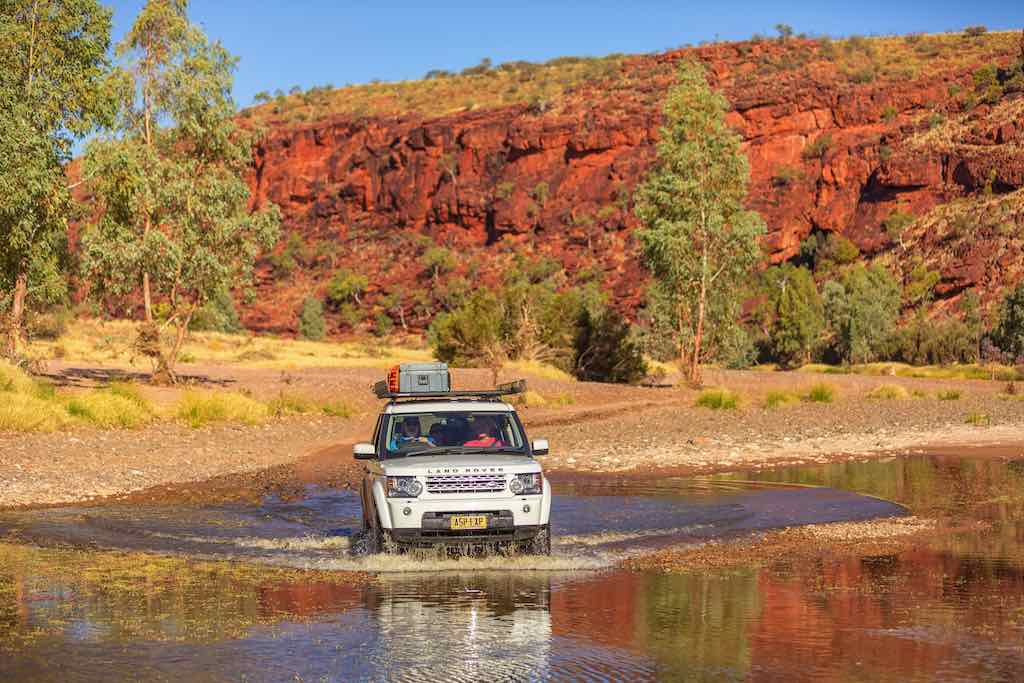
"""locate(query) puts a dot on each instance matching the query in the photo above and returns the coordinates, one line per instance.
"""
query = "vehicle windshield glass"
(426, 433)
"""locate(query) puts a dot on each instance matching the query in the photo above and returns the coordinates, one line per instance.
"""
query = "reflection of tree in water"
(696, 624)
(136, 596)
(984, 488)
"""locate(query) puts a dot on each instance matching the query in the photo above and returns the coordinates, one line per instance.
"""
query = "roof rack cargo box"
(415, 378)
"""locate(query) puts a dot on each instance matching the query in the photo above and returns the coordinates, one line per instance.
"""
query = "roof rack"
(517, 387)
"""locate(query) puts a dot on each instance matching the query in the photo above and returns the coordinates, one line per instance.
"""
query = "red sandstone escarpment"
(826, 154)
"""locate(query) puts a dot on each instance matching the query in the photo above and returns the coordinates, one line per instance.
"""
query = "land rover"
(451, 468)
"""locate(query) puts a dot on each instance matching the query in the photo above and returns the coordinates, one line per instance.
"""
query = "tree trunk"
(148, 223)
(146, 296)
(698, 337)
(15, 321)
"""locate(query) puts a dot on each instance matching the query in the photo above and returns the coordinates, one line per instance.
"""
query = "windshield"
(432, 433)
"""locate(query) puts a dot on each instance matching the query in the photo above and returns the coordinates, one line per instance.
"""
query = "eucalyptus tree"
(174, 218)
(698, 240)
(53, 66)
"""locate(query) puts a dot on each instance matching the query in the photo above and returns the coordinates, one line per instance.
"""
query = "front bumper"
(436, 528)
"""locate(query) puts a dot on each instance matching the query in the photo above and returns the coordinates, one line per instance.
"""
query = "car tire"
(541, 543)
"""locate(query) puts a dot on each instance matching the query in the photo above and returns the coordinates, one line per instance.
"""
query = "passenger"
(438, 435)
(409, 433)
(486, 433)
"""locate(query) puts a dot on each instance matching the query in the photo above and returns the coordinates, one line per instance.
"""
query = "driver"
(486, 433)
(409, 432)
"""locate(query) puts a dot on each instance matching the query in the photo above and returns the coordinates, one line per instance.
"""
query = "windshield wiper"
(436, 450)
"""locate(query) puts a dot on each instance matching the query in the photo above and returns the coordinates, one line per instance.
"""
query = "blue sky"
(307, 43)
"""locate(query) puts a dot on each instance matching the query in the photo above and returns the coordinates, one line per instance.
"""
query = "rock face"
(826, 155)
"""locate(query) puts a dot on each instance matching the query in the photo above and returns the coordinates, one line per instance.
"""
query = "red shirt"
(486, 441)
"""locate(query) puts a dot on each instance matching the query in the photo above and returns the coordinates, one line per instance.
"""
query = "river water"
(213, 592)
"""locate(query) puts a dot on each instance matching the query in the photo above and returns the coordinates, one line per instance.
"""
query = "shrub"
(199, 408)
(1008, 334)
(819, 147)
(383, 325)
(777, 399)
(27, 413)
(217, 315)
(605, 350)
(51, 325)
(718, 399)
(540, 192)
(949, 395)
(108, 409)
(346, 286)
(311, 320)
(896, 223)
(888, 392)
(975, 31)
(785, 176)
(977, 419)
(820, 393)
(438, 261)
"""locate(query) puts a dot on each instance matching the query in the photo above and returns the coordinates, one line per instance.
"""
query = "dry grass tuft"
(820, 393)
(779, 399)
(718, 399)
(888, 392)
(199, 408)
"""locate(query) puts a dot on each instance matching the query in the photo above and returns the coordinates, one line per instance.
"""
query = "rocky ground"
(595, 430)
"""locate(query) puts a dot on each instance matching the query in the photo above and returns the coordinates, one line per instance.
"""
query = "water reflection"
(949, 609)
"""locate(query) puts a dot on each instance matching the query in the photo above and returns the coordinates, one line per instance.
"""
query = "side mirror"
(364, 451)
(540, 447)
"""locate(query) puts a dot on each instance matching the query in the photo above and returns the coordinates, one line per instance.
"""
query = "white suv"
(451, 467)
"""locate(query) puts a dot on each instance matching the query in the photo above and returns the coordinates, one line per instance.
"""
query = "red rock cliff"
(826, 154)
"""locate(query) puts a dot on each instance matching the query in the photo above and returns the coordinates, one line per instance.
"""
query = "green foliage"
(828, 252)
(345, 287)
(504, 190)
(799, 318)
(948, 395)
(540, 192)
(889, 113)
(921, 283)
(785, 31)
(888, 392)
(383, 325)
(817, 149)
(471, 334)
(169, 181)
(718, 399)
(820, 393)
(605, 349)
(311, 320)
(53, 90)
(1008, 333)
(936, 342)
(699, 241)
(217, 315)
(987, 87)
(438, 261)
(896, 224)
(777, 399)
(978, 419)
(861, 309)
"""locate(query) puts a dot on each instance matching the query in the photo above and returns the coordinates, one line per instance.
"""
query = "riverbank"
(596, 431)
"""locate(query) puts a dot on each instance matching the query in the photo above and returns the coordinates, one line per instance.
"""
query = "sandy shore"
(601, 430)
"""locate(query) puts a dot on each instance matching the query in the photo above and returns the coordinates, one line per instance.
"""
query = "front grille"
(466, 483)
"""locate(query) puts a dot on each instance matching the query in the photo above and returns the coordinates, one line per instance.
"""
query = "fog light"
(526, 508)
(407, 511)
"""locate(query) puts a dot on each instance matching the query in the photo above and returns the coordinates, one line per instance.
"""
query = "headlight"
(404, 487)
(526, 484)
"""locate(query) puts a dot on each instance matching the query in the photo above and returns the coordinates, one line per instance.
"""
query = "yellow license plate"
(461, 522)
